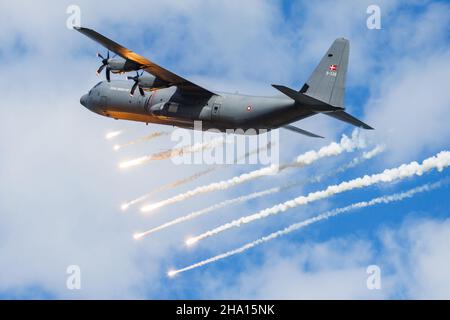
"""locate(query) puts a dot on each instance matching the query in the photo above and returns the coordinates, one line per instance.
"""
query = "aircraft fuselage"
(171, 107)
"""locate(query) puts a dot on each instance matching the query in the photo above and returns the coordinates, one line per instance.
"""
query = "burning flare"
(113, 134)
(172, 153)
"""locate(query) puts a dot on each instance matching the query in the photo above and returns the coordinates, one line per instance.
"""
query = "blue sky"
(61, 189)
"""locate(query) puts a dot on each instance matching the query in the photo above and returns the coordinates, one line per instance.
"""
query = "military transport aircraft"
(167, 98)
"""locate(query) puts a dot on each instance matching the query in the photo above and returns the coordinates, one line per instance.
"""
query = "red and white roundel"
(249, 108)
(333, 67)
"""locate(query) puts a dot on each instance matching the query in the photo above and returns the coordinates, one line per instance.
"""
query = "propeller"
(105, 62)
(136, 84)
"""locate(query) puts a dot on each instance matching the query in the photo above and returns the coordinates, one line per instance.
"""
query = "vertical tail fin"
(327, 82)
(324, 91)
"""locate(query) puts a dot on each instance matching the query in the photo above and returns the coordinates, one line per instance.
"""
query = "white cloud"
(330, 270)
(413, 259)
(409, 98)
(411, 110)
(419, 257)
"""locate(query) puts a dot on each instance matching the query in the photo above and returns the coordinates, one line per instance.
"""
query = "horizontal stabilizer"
(303, 99)
(344, 116)
(304, 132)
(320, 107)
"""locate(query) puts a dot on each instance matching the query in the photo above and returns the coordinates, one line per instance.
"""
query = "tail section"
(327, 82)
(325, 89)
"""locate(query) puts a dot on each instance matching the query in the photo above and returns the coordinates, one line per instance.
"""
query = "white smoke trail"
(354, 162)
(191, 178)
(168, 186)
(222, 185)
(141, 139)
(346, 145)
(199, 213)
(440, 161)
(332, 213)
(172, 153)
(367, 155)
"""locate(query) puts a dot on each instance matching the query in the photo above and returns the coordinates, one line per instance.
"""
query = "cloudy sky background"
(60, 188)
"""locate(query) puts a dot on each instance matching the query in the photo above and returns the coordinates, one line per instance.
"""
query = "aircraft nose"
(83, 100)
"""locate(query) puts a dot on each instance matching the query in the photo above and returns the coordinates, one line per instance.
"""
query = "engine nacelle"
(148, 81)
(117, 65)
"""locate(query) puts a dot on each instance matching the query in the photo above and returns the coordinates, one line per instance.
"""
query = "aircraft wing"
(145, 64)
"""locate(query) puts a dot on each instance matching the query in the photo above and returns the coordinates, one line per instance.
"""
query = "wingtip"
(342, 39)
(82, 29)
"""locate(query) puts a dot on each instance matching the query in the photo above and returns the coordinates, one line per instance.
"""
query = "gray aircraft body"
(166, 98)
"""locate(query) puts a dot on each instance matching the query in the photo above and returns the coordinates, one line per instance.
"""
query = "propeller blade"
(100, 69)
(133, 88)
(108, 74)
(100, 56)
(141, 91)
